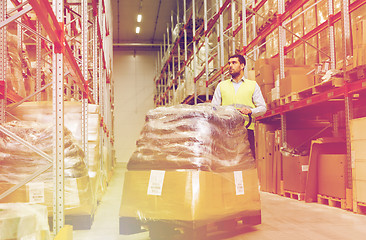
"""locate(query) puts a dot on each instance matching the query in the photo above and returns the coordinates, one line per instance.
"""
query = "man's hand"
(245, 110)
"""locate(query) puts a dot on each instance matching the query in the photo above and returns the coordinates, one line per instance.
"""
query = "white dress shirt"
(258, 100)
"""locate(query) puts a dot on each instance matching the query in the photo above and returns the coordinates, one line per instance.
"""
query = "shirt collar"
(241, 80)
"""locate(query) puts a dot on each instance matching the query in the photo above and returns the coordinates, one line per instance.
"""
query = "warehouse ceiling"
(156, 14)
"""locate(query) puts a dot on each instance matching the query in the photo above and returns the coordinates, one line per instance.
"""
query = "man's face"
(235, 67)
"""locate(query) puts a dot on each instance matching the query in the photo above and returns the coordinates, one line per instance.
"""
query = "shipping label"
(305, 168)
(156, 182)
(36, 192)
(239, 184)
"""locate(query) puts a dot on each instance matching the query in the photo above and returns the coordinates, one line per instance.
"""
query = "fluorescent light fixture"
(139, 18)
(137, 30)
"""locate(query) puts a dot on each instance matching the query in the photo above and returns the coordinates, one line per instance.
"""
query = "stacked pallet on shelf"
(78, 194)
(30, 39)
(41, 112)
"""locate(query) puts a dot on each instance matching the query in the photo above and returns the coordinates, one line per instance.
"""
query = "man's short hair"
(240, 57)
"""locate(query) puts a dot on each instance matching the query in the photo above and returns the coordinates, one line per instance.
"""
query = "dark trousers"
(251, 142)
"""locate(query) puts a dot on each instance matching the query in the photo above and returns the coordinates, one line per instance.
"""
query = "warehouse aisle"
(282, 218)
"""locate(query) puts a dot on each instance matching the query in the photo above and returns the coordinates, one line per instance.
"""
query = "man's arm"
(216, 99)
(258, 100)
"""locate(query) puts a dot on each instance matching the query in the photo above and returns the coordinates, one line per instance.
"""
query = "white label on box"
(36, 192)
(305, 168)
(156, 182)
(239, 184)
(353, 159)
(71, 192)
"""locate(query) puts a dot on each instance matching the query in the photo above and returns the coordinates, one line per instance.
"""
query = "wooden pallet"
(361, 208)
(274, 104)
(313, 90)
(79, 222)
(292, 97)
(332, 201)
(294, 195)
(192, 230)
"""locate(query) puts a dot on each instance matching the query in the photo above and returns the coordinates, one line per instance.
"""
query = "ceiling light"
(137, 29)
(139, 17)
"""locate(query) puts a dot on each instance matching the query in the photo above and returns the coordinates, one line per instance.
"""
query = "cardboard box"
(278, 161)
(266, 88)
(274, 62)
(270, 140)
(275, 93)
(190, 195)
(264, 75)
(295, 171)
(331, 180)
(358, 155)
(78, 195)
(295, 80)
(261, 147)
(359, 189)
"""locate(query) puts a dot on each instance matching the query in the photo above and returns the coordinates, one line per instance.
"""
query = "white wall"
(133, 76)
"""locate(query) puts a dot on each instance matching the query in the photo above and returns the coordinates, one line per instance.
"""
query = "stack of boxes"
(358, 142)
(359, 43)
(267, 73)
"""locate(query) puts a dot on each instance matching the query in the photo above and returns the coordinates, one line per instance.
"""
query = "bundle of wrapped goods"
(42, 112)
(200, 137)
(192, 163)
(19, 221)
(19, 162)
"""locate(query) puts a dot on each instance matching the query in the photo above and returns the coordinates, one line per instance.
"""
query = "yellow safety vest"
(244, 95)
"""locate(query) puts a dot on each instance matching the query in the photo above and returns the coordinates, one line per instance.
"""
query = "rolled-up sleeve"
(216, 99)
(259, 103)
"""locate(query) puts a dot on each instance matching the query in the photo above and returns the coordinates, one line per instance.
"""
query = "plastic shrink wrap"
(207, 173)
(203, 137)
(18, 162)
(19, 221)
(42, 112)
(20, 73)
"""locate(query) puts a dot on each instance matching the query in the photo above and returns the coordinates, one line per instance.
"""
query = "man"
(242, 93)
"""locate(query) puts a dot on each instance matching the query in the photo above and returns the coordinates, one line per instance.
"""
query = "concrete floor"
(282, 218)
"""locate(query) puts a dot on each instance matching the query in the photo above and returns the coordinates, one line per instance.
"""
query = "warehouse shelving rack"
(250, 45)
(86, 79)
(166, 59)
